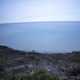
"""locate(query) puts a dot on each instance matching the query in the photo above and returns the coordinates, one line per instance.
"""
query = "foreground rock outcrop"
(65, 66)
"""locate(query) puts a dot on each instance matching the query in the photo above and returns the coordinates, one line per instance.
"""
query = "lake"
(41, 36)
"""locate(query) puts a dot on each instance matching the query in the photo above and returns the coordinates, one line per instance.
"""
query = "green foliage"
(38, 75)
(3, 59)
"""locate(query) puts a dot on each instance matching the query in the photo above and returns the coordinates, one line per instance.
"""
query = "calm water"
(41, 36)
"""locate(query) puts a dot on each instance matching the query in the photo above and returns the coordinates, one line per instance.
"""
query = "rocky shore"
(66, 66)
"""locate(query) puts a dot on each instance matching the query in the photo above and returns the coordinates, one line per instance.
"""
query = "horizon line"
(39, 22)
(53, 52)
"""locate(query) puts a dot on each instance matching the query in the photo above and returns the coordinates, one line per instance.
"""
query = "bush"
(37, 75)
(40, 75)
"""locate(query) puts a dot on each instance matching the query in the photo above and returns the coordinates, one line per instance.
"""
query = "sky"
(12, 11)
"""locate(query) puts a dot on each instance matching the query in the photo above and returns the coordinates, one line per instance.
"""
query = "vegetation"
(12, 65)
(3, 59)
(75, 57)
(38, 75)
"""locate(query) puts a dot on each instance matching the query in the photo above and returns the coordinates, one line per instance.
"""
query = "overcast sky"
(39, 10)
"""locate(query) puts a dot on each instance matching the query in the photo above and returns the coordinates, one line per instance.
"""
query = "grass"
(38, 75)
